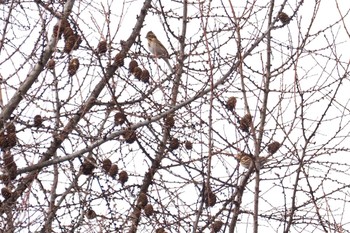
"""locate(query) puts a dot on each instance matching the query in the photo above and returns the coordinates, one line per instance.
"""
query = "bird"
(157, 48)
(246, 159)
(283, 17)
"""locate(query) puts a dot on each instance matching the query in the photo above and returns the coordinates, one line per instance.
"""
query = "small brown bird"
(157, 48)
(246, 159)
(283, 17)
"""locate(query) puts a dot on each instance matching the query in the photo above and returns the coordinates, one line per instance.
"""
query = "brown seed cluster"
(148, 210)
(119, 118)
(113, 171)
(273, 147)
(231, 103)
(188, 145)
(102, 47)
(88, 166)
(139, 74)
(38, 121)
(73, 66)
(90, 214)
(71, 39)
(142, 200)
(106, 165)
(209, 197)
(245, 122)
(169, 121)
(123, 177)
(119, 60)
(283, 17)
(132, 65)
(8, 139)
(216, 226)
(174, 144)
(51, 64)
(6, 193)
(130, 135)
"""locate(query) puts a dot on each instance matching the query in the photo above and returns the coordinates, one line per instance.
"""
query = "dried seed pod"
(123, 177)
(11, 139)
(148, 210)
(88, 166)
(73, 66)
(6, 192)
(137, 73)
(231, 103)
(119, 118)
(106, 165)
(174, 144)
(245, 122)
(209, 198)
(132, 65)
(216, 226)
(51, 64)
(59, 28)
(188, 145)
(67, 32)
(145, 76)
(169, 121)
(283, 17)
(69, 44)
(273, 147)
(119, 59)
(90, 214)
(113, 171)
(142, 200)
(102, 47)
(56, 31)
(38, 121)
(129, 135)
(160, 230)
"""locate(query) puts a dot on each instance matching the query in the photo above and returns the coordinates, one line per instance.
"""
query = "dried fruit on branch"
(148, 210)
(119, 59)
(283, 17)
(245, 122)
(113, 171)
(142, 200)
(38, 121)
(137, 73)
(231, 103)
(188, 145)
(73, 66)
(216, 226)
(145, 76)
(123, 177)
(273, 147)
(129, 135)
(174, 144)
(106, 165)
(119, 118)
(132, 65)
(102, 47)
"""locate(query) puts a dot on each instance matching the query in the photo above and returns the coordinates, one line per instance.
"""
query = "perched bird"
(246, 159)
(283, 17)
(157, 48)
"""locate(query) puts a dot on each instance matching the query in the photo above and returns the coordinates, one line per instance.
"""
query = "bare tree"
(245, 129)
